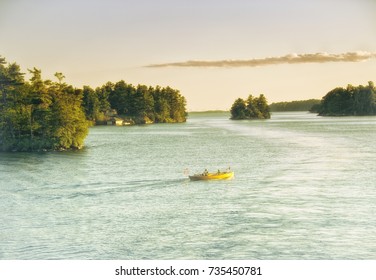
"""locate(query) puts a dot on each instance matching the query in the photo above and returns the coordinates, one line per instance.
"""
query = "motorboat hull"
(212, 176)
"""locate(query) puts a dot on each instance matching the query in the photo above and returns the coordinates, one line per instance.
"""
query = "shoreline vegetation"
(45, 115)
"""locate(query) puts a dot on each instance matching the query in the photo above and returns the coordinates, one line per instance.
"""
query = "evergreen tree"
(91, 103)
(238, 109)
(12, 108)
(103, 94)
(263, 107)
(69, 126)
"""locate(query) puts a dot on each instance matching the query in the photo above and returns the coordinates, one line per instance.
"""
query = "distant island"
(297, 105)
(209, 112)
(252, 108)
(39, 114)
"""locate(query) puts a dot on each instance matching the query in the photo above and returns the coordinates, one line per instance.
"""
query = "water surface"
(304, 188)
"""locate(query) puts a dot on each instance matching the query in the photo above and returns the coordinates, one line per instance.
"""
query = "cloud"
(287, 59)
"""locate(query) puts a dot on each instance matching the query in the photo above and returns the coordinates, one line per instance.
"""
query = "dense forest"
(350, 101)
(252, 108)
(42, 114)
(39, 114)
(301, 105)
(141, 104)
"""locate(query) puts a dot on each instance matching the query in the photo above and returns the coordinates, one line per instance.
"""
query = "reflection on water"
(303, 189)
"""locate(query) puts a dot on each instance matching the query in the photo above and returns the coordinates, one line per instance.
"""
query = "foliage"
(301, 105)
(252, 108)
(45, 115)
(39, 114)
(350, 101)
(141, 104)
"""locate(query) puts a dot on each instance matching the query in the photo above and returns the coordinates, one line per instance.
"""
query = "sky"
(213, 51)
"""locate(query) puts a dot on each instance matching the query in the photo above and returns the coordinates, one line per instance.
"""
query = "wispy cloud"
(287, 59)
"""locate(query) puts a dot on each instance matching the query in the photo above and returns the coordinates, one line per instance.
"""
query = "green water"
(304, 188)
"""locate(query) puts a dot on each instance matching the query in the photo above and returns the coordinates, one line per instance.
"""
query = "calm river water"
(304, 188)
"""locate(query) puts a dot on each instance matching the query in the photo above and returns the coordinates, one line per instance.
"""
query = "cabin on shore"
(119, 121)
(115, 121)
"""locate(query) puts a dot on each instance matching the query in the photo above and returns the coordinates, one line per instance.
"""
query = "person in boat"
(206, 172)
(219, 171)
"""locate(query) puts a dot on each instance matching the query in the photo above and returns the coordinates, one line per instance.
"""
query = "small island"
(44, 115)
(252, 108)
(350, 101)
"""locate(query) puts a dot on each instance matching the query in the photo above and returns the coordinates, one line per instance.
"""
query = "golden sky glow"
(95, 41)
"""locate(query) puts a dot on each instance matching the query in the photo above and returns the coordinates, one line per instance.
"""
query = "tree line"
(251, 108)
(141, 104)
(42, 114)
(297, 105)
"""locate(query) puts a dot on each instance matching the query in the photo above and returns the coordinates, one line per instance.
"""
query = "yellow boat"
(212, 176)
